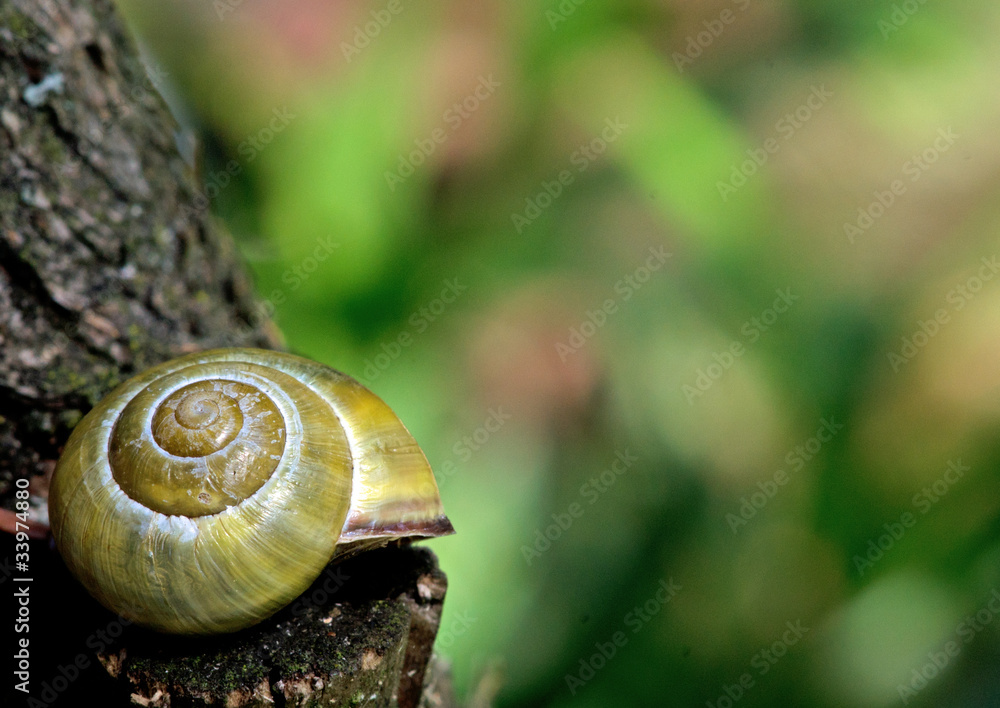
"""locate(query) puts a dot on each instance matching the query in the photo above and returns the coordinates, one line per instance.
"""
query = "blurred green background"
(691, 305)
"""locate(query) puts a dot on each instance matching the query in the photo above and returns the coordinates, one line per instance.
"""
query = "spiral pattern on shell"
(207, 493)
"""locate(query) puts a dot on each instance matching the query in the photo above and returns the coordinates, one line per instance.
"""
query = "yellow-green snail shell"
(209, 492)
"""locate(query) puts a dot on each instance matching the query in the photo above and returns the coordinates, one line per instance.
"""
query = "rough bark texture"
(358, 637)
(109, 260)
(109, 263)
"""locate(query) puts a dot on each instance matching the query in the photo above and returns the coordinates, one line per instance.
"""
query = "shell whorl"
(204, 447)
(207, 493)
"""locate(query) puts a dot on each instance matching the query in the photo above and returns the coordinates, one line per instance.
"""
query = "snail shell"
(209, 492)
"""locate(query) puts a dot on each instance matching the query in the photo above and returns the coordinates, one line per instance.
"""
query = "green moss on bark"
(348, 649)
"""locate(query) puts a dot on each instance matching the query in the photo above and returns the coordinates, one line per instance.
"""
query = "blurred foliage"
(823, 176)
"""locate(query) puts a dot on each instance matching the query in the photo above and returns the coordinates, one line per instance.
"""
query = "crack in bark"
(72, 141)
(24, 276)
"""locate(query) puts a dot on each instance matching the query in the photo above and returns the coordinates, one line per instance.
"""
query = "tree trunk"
(110, 263)
(360, 636)
(109, 260)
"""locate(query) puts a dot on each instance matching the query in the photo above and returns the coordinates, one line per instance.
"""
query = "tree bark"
(109, 259)
(110, 262)
(359, 636)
